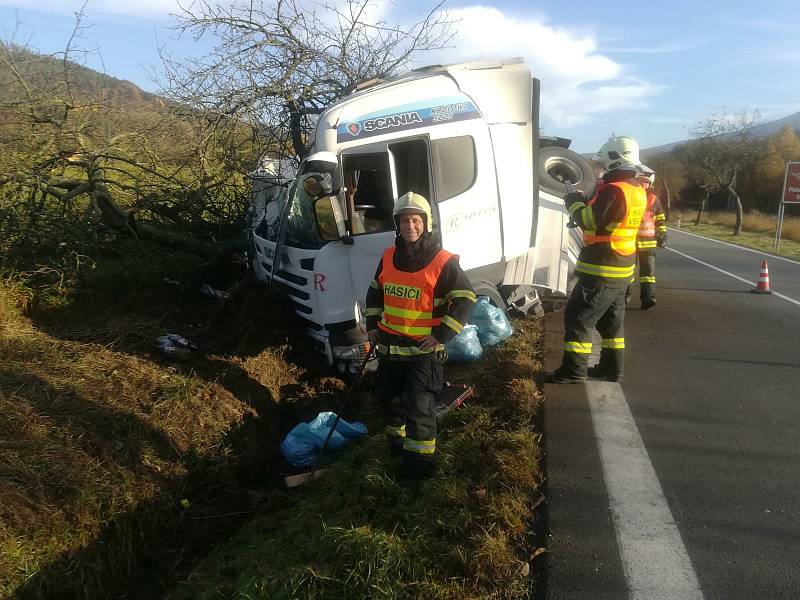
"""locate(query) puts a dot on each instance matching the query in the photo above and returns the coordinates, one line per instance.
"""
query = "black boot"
(648, 302)
(561, 376)
(597, 372)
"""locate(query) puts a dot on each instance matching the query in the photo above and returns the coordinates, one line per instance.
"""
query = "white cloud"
(664, 48)
(578, 82)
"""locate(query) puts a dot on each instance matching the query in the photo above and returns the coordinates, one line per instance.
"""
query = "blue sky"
(650, 70)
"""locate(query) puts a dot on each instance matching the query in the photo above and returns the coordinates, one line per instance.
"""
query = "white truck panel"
(502, 89)
(513, 164)
(552, 239)
(469, 223)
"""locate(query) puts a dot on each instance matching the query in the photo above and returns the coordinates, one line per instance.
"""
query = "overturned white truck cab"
(464, 136)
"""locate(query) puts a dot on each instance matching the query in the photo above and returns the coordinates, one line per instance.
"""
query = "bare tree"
(84, 148)
(722, 147)
(670, 175)
(278, 63)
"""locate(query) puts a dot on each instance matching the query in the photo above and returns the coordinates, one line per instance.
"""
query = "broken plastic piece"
(210, 292)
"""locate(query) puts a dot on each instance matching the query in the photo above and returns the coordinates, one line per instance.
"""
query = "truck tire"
(490, 291)
(557, 165)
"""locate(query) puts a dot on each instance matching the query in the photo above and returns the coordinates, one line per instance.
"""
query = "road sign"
(791, 183)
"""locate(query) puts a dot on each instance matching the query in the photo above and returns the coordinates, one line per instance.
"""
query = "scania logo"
(409, 118)
(354, 128)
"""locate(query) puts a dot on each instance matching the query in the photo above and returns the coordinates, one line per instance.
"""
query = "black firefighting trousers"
(598, 303)
(407, 394)
(647, 273)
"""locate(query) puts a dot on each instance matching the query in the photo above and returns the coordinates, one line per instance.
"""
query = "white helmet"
(619, 152)
(415, 204)
(646, 174)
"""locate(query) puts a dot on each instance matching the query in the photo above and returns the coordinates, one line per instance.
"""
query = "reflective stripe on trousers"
(594, 305)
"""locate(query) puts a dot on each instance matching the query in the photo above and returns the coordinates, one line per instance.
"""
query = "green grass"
(123, 470)
(357, 533)
(716, 227)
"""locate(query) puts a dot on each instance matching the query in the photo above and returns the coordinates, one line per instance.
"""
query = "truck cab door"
(466, 194)
(369, 193)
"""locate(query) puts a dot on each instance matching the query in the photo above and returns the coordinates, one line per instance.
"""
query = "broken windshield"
(266, 209)
(301, 224)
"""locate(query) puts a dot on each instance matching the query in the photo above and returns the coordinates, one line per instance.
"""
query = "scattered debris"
(297, 480)
(172, 343)
(302, 444)
(451, 397)
(210, 292)
(492, 323)
(466, 346)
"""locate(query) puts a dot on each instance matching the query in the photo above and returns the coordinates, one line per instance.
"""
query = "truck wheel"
(488, 290)
(558, 165)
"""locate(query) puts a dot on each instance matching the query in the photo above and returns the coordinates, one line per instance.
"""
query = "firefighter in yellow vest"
(610, 222)
(419, 299)
(652, 233)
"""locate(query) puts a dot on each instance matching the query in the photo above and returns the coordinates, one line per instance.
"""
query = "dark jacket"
(453, 287)
(606, 209)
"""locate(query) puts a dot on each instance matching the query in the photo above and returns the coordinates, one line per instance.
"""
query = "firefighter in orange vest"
(610, 222)
(419, 299)
(652, 233)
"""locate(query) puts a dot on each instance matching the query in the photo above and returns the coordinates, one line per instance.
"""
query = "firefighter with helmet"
(419, 299)
(652, 233)
(610, 223)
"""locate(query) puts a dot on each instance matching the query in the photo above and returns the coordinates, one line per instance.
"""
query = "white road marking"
(724, 272)
(753, 250)
(654, 558)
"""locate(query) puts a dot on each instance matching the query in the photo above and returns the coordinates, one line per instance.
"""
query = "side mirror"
(329, 218)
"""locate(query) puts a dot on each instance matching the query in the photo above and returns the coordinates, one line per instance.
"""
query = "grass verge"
(358, 533)
(758, 231)
(127, 473)
(121, 467)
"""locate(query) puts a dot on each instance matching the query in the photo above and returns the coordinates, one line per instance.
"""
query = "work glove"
(661, 240)
(574, 197)
(571, 200)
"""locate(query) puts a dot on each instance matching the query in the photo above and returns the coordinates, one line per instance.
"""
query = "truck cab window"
(368, 192)
(455, 165)
(368, 181)
(411, 167)
(301, 224)
(267, 207)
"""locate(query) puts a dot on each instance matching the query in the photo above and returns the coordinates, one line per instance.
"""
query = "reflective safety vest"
(653, 223)
(408, 301)
(622, 237)
(648, 225)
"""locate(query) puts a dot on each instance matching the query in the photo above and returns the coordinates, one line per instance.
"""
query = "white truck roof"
(500, 89)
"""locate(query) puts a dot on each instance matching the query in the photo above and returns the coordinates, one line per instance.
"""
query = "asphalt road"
(713, 388)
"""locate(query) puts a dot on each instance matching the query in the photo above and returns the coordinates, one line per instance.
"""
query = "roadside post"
(791, 195)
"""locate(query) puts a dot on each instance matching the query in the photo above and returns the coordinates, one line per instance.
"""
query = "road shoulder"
(584, 558)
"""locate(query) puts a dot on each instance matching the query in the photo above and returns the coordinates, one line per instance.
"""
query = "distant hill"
(759, 131)
(41, 71)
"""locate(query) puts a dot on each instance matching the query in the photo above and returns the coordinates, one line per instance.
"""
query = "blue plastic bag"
(303, 443)
(465, 346)
(492, 322)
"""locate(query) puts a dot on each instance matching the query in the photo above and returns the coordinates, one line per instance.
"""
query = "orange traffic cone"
(762, 287)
